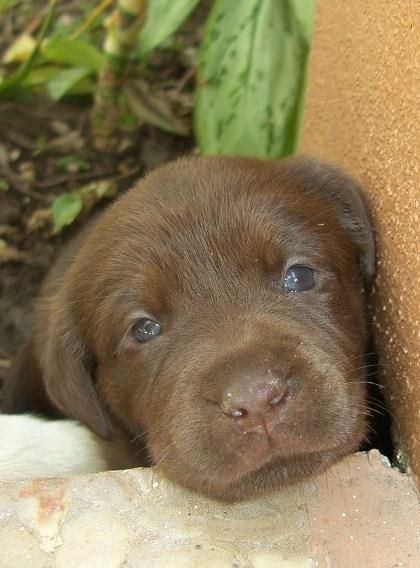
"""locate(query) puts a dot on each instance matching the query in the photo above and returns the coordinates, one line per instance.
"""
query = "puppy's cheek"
(346, 426)
(338, 413)
(348, 398)
(336, 384)
(357, 409)
(122, 394)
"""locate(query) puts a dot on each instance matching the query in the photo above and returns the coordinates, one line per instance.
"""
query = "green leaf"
(65, 209)
(38, 79)
(40, 76)
(75, 52)
(251, 76)
(163, 18)
(304, 14)
(6, 4)
(4, 185)
(153, 109)
(73, 163)
(63, 81)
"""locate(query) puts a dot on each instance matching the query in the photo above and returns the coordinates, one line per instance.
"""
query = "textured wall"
(363, 111)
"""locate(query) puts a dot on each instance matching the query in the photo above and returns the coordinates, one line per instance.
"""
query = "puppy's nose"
(254, 400)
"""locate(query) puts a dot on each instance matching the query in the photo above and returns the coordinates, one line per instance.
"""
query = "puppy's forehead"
(198, 226)
(199, 180)
(211, 200)
(213, 176)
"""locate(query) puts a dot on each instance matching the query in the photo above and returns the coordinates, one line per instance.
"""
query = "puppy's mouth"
(264, 446)
(265, 434)
(259, 470)
(245, 471)
(257, 449)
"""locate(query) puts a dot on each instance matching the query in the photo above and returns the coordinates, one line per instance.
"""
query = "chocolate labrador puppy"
(213, 316)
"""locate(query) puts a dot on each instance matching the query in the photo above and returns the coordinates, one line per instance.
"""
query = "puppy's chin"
(240, 483)
(259, 467)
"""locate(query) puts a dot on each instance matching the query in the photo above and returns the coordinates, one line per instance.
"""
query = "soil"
(46, 149)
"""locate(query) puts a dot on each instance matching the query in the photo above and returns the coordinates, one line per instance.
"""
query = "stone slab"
(360, 513)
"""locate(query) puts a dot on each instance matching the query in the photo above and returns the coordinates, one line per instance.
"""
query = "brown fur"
(202, 245)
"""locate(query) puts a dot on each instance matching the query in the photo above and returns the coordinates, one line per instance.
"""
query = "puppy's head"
(216, 312)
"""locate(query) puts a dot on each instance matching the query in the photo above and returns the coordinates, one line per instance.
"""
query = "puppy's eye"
(145, 329)
(299, 278)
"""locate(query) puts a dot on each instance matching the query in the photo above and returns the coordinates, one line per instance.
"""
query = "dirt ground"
(37, 137)
(27, 245)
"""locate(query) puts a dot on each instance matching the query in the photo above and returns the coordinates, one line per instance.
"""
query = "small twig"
(183, 81)
(16, 182)
(81, 176)
(17, 186)
(91, 17)
(18, 138)
(86, 176)
(32, 26)
(128, 174)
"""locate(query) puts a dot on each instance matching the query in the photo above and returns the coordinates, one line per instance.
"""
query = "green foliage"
(250, 79)
(163, 18)
(58, 65)
(65, 210)
(150, 108)
(68, 206)
(64, 65)
(63, 81)
(5, 4)
(4, 185)
(12, 84)
(73, 162)
(251, 72)
(75, 52)
(251, 76)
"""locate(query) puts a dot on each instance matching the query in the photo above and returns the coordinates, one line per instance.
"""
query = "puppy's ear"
(23, 387)
(68, 372)
(345, 194)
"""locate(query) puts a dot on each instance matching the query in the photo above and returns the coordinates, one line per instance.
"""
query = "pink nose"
(254, 400)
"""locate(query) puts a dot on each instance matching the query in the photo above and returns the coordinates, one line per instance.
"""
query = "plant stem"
(123, 26)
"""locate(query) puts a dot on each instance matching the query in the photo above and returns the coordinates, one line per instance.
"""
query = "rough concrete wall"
(363, 111)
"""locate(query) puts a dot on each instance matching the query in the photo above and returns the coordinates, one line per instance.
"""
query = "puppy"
(214, 318)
